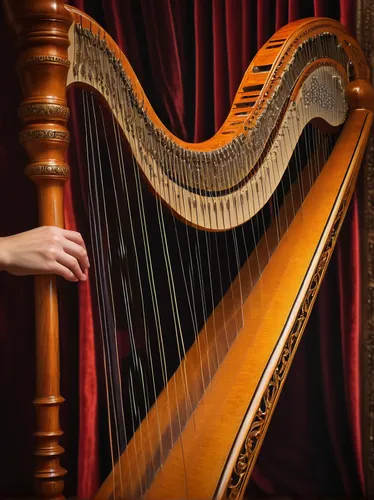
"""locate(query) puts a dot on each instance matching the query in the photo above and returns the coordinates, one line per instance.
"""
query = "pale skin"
(45, 250)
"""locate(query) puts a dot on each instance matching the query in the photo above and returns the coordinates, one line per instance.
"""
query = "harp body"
(310, 70)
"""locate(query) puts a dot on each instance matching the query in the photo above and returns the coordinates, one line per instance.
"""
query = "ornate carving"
(206, 171)
(52, 110)
(256, 433)
(43, 28)
(47, 59)
(365, 36)
(34, 170)
(35, 134)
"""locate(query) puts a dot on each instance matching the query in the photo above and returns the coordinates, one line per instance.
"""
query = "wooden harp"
(246, 221)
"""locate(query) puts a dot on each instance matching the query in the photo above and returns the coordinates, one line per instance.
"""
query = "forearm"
(3, 258)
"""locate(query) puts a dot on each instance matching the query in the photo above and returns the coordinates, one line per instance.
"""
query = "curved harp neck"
(207, 184)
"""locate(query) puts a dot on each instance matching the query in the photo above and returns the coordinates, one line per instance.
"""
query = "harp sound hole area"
(160, 281)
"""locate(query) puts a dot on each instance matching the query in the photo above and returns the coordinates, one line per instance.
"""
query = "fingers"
(63, 271)
(79, 252)
(72, 264)
(73, 236)
(70, 254)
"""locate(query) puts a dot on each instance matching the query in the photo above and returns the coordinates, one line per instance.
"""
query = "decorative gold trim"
(53, 110)
(39, 169)
(250, 448)
(35, 134)
(46, 60)
(365, 36)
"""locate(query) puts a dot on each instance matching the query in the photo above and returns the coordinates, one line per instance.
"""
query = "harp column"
(43, 26)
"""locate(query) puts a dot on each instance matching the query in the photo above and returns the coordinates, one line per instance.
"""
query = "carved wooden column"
(43, 64)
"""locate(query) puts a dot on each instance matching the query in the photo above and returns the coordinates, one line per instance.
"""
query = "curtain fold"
(190, 57)
(76, 213)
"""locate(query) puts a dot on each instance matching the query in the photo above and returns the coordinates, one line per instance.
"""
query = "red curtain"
(190, 57)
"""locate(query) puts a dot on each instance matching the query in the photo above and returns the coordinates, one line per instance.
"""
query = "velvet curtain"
(190, 57)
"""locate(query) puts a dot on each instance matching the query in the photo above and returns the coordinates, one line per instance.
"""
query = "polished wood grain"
(42, 26)
(275, 60)
(220, 212)
(200, 463)
(360, 95)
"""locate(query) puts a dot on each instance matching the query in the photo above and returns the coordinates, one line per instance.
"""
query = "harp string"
(190, 294)
(96, 239)
(138, 273)
(127, 293)
(149, 267)
(201, 250)
(154, 290)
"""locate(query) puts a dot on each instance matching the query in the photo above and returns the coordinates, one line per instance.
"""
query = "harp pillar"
(42, 26)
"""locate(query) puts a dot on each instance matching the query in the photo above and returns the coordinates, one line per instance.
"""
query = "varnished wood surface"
(194, 471)
(289, 37)
(360, 95)
(43, 26)
(225, 209)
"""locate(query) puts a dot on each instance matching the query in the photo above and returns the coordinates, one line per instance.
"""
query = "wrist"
(3, 255)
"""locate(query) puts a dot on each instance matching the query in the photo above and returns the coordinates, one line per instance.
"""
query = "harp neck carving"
(209, 184)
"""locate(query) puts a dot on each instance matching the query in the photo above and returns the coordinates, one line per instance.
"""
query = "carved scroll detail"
(47, 59)
(35, 134)
(53, 110)
(48, 169)
(250, 448)
(97, 65)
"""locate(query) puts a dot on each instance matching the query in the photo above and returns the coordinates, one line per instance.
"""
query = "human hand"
(45, 250)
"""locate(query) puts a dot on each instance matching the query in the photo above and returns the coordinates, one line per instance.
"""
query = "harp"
(239, 230)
